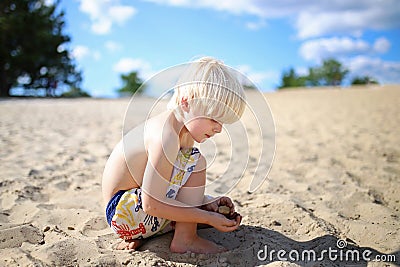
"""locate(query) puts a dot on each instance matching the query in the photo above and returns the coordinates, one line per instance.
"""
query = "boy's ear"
(184, 104)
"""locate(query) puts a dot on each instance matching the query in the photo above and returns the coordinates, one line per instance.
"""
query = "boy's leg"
(185, 236)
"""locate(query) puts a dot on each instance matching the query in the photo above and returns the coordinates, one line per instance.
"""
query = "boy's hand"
(227, 202)
(223, 224)
(222, 201)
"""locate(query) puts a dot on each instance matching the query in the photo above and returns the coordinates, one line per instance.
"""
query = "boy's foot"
(131, 244)
(196, 245)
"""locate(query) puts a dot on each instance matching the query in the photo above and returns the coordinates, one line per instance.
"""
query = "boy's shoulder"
(159, 129)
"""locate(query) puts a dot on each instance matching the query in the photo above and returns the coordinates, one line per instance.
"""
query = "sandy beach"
(334, 184)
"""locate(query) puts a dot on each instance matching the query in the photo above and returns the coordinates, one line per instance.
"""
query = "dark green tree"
(314, 77)
(363, 80)
(331, 73)
(291, 79)
(33, 46)
(131, 83)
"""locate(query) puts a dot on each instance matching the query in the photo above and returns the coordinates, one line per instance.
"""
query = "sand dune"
(335, 177)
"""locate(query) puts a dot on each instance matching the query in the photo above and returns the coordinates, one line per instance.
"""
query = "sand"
(335, 178)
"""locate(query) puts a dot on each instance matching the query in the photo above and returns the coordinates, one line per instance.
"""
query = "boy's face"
(202, 128)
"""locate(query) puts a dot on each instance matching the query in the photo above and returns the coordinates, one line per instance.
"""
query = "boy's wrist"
(207, 199)
(204, 217)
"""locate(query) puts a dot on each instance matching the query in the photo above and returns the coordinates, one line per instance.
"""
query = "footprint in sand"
(33, 193)
(14, 236)
(95, 227)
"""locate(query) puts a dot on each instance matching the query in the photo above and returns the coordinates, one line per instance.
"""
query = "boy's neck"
(185, 139)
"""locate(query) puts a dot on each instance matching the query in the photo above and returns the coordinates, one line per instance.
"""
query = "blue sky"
(261, 38)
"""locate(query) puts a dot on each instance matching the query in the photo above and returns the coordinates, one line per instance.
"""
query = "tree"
(33, 50)
(291, 79)
(314, 77)
(131, 83)
(331, 73)
(363, 80)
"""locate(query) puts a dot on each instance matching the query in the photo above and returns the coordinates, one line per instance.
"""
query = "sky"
(260, 38)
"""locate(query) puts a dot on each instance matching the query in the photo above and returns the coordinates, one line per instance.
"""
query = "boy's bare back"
(117, 174)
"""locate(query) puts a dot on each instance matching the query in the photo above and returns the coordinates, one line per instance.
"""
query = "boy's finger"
(232, 228)
(214, 207)
(238, 219)
(230, 223)
(227, 201)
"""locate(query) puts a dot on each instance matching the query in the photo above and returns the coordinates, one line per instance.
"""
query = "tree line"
(330, 73)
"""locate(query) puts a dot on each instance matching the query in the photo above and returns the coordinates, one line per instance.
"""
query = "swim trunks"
(124, 211)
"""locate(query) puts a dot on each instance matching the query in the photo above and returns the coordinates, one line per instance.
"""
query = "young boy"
(154, 180)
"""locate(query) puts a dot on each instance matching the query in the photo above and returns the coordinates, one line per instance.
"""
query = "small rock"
(193, 255)
(33, 172)
(70, 228)
(222, 260)
(203, 256)
(276, 223)
(47, 228)
(224, 210)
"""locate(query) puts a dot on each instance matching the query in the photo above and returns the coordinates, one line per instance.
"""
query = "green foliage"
(249, 87)
(131, 83)
(363, 80)
(33, 46)
(331, 73)
(291, 79)
(75, 92)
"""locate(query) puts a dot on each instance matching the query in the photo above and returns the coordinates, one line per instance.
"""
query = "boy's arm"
(154, 187)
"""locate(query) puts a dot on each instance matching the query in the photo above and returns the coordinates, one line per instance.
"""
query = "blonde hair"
(212, 91)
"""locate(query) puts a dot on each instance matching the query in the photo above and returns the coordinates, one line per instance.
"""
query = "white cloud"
(319, 49)
(387, 72)
(235, 7)
(327, 47)
(103, 13)
(310, 18)
(121, 13)
(381, 45)
(80, 52)
(49, 2)
(347, 17)
(112, 46)
(126, 65)
(259, 77)
(256, 25)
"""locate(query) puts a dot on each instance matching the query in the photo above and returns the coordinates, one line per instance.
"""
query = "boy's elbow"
(147, 208)
(149, 205)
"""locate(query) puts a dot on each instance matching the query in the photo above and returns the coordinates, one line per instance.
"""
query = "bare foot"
(131, 244)
(196, 245)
